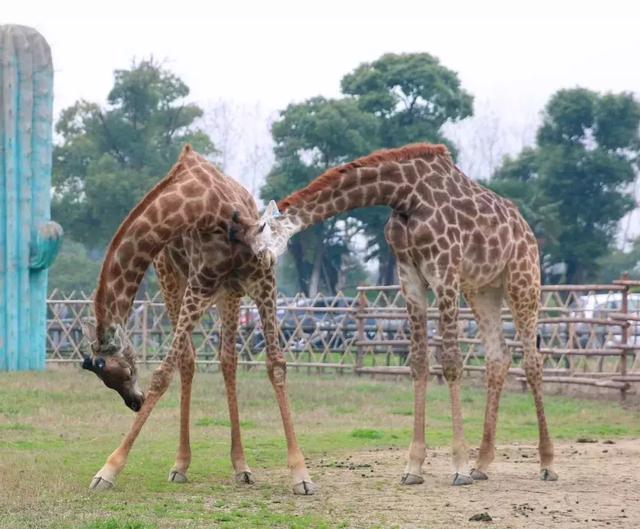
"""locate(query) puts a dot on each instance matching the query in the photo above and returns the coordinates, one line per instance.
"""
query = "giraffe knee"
(277, 370)
(451, 367)
(496, 369)
(419, 366)
(533, 368)
(227, 362)
(186, 361)
(161, 379)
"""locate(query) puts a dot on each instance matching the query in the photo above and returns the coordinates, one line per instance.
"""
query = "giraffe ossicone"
(269, 236)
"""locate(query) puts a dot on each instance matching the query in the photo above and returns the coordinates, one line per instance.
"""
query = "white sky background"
(259, 56)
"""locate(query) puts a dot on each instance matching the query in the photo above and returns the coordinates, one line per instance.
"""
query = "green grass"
(57, 428)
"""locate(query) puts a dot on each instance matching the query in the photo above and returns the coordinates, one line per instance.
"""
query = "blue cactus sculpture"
(29, 241)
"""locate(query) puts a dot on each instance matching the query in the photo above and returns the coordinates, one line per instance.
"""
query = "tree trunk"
(387, 274)
(295, 247)
(575, 273)
(314, 280)
(342, 273)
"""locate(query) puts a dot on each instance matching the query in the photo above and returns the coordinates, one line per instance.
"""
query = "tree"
(412, 96)
(73, 270)
(517, 179)
(108, 158)
(392, 101)
(578, 174)
(309, 138)
(617, 262)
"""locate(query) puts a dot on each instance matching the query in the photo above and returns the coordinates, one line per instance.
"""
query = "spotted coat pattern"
(454, 236)
(182, 226)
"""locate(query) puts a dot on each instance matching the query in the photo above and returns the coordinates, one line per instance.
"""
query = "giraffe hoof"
(411, 479)
(546, 474)
(245, 478)
(478, 475)
(175, 476)
(99, 484)
(304, 488)
(461, 479)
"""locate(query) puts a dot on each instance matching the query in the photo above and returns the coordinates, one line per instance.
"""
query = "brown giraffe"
(182, 226)
(450, 234)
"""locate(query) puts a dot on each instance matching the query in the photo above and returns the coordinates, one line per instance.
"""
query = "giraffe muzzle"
(135, 403)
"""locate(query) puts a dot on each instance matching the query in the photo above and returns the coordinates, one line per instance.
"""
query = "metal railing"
(590, 334)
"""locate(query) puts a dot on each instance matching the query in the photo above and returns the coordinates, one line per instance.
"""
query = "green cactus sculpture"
(29, 241)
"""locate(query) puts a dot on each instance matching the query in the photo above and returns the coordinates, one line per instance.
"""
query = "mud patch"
(598, 487)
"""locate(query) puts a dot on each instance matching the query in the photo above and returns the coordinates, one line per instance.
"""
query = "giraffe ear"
(272, 210)
(88, 326)
(120, 338)
(238, 228)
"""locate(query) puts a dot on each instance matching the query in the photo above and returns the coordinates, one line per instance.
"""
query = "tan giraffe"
(182, 225)
(450, 234)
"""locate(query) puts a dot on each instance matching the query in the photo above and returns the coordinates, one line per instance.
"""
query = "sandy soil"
(599, 486)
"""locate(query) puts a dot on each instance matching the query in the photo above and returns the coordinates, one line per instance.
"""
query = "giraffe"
(454, 236)
(181, 226)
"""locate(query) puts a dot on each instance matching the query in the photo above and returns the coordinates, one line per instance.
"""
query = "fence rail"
(590, 334)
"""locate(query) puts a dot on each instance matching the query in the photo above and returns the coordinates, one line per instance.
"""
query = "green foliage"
(572, 187)
(73, 269)
(108, 158)
(617, 262)
(367, 433)
(113, 523)
(309, 138)
(392, 101)
(412, 94)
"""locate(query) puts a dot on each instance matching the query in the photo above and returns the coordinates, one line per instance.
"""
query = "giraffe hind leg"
(415, 293)
(524, 304)
(452, 370)
(486, 305)
(173, 285)
(228, 308)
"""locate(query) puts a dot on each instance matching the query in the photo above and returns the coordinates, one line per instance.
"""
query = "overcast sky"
(511, 55)
(512, 52)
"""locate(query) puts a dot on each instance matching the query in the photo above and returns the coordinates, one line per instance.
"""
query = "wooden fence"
(590, 334)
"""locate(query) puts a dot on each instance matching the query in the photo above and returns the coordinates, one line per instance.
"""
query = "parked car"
(600, 306)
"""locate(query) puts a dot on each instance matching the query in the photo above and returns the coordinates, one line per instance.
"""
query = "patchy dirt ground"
(599, 486)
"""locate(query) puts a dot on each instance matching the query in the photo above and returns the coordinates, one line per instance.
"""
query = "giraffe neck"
(128, 256)
(178, 203)
(390, 183)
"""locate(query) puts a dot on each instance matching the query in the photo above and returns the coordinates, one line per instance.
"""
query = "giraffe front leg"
(160, 380)
(452, 371)
(190, 312)
(277, 370)
(229, 308)
(486, 304)
(186, 366)
(524, 303)
(301, 482)
(415, 292)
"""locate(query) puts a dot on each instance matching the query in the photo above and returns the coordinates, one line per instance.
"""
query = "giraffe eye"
(261, 228)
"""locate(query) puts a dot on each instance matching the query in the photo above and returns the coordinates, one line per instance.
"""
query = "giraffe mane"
(151, 196)
(329, 177)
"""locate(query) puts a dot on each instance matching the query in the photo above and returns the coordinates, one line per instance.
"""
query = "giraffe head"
(267, 237)
(112, 359)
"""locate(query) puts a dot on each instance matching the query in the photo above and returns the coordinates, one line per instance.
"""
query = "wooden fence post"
(362, 303)
(624, 335)
(145, 305)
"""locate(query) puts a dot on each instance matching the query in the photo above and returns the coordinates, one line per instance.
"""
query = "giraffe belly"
(478, 275)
